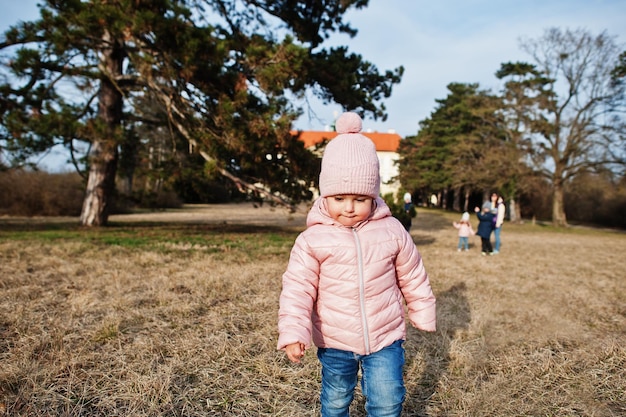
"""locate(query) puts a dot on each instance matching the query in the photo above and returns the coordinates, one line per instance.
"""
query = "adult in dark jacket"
(485, 227)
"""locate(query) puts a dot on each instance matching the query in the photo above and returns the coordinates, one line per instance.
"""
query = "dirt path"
(234, 214)
(244, 213)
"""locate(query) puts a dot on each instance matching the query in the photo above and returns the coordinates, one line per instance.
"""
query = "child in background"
(465, 231)
(347, 276)
(485, 227)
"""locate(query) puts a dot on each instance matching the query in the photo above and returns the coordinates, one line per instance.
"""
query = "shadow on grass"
(422, 240)
(37, 225)
(453, 315)
(426, 223)
(428, 354)
(41, 225)
(216, 228)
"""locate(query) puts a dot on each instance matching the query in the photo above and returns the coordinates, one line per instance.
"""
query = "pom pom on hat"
(350, 164)
(349, 122)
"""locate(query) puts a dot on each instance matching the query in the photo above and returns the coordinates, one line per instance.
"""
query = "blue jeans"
(496, 233)
(381, 381)
(463, 242)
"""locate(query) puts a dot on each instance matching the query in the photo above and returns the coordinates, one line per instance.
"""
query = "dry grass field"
(174, 314)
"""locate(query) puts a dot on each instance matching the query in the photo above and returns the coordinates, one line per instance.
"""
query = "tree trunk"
(513, 215)
(100, 184)
(127, 161)
(467, 197)
(106, 128)
(558, 209)
(456, 204)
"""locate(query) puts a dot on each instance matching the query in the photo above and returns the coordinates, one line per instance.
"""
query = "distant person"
(409, 211)
(465, 231)
(494, 207)
(494, 202)
(485, 227)
(500, 212)
(347, 275)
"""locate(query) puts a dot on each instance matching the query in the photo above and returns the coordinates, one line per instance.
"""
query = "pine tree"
(222, 72)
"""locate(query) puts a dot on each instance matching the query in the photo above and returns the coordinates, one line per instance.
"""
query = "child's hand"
(476, 209)
(295, 352)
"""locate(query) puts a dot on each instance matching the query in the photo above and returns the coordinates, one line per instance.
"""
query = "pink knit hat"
(350, 164)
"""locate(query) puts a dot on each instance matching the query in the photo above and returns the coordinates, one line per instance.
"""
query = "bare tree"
(573, 109)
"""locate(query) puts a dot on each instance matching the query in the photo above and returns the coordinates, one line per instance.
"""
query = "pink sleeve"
(299, 292)
(415, 286)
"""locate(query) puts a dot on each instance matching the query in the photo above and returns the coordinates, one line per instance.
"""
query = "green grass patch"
(165, 238)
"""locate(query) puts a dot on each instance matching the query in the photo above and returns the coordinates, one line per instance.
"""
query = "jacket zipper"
(359, 255)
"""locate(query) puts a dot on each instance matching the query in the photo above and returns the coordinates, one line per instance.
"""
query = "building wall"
(386, 149)
(388, 170)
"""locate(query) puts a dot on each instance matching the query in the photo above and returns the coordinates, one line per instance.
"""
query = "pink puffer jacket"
(344, 286)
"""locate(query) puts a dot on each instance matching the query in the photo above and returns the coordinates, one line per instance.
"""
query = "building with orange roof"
(386, 148)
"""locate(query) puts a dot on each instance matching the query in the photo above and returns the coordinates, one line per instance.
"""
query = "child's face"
(349, 209)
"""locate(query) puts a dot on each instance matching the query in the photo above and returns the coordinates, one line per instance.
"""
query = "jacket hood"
(319, 213)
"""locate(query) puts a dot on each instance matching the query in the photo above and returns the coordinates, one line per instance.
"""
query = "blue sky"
(437, 42)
